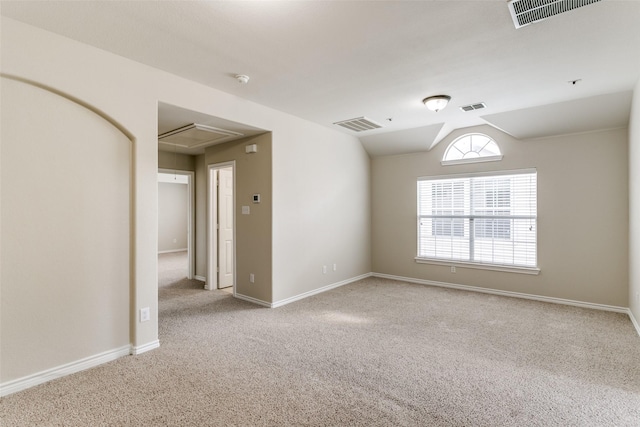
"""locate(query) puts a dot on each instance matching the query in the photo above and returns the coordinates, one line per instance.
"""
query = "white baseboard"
(253, 300)
(200, 278)
(507, 293)
(300, 296)
(634, 321)
(135, 350)
(172, 251)
(318, 291)
(24, 383)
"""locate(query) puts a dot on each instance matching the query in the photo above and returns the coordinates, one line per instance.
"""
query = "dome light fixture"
(437, 102)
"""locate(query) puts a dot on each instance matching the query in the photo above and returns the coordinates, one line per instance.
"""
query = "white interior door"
(225, 227)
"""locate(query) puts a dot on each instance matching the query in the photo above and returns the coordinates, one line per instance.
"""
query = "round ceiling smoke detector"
(242, 79)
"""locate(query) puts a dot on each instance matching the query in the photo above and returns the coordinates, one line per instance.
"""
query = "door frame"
(212, 219)
(190, 217)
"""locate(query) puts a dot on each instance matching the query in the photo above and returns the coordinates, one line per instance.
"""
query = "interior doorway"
(221, 246)
(186, 178)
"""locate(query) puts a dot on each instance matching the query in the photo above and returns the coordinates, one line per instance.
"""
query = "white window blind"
(485, 219)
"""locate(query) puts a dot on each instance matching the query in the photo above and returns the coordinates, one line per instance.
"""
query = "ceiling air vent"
(359, 124)
(195, 135)
(473, 107)
(525, 12)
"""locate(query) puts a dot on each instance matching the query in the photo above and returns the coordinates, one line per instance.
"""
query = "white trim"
(479, 266)
(501, 172)
(24, 383)
(319, 290)
(634, 321)
(136, 350)
(478, 159)
(541, 298)
(474, 160)
(253, 300)
(200, 278)
(173, 250)
(302, 295)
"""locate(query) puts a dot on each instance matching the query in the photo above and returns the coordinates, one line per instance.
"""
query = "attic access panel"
(196, 135)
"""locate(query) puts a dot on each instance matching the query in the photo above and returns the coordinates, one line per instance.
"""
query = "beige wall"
(66, 224)
(582, 237)
(318, 174)
(634, 208)
(126, 94)
(173, 216)
(322, 210)
(170, 161)
(253, 231)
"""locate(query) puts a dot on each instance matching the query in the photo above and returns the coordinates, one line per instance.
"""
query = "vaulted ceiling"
(332, 61)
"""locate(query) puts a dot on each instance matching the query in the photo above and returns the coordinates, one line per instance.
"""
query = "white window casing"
(485, 220)
(472, 148)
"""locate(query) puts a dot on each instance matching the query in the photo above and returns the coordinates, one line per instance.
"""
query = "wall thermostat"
(256, 198)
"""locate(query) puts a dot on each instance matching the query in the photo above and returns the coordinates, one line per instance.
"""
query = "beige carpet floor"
(372, 353)
(172, 272)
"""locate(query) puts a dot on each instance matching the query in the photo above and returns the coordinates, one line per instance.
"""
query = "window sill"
(472, 160)
(479, 266)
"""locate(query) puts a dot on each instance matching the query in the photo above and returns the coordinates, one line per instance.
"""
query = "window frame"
(480, 159)
(469, 263)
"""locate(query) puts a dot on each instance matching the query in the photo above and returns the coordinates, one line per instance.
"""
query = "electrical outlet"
(335, 267)
(324, 269)
(145, 314)
(252, 278)
(453, 269)
(637, 296)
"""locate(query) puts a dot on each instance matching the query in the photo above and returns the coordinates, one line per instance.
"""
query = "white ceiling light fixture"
(437, 102)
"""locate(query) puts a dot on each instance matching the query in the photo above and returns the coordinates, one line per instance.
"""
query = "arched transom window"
(472, 147)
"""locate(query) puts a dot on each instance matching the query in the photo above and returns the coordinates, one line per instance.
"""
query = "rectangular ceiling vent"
(525, 12)
(195, 135)
(473, 107)
(359, 124)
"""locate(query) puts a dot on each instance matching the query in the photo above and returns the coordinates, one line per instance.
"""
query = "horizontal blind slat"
(491, 217)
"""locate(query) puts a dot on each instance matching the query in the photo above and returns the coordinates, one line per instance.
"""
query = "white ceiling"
(332, 61)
